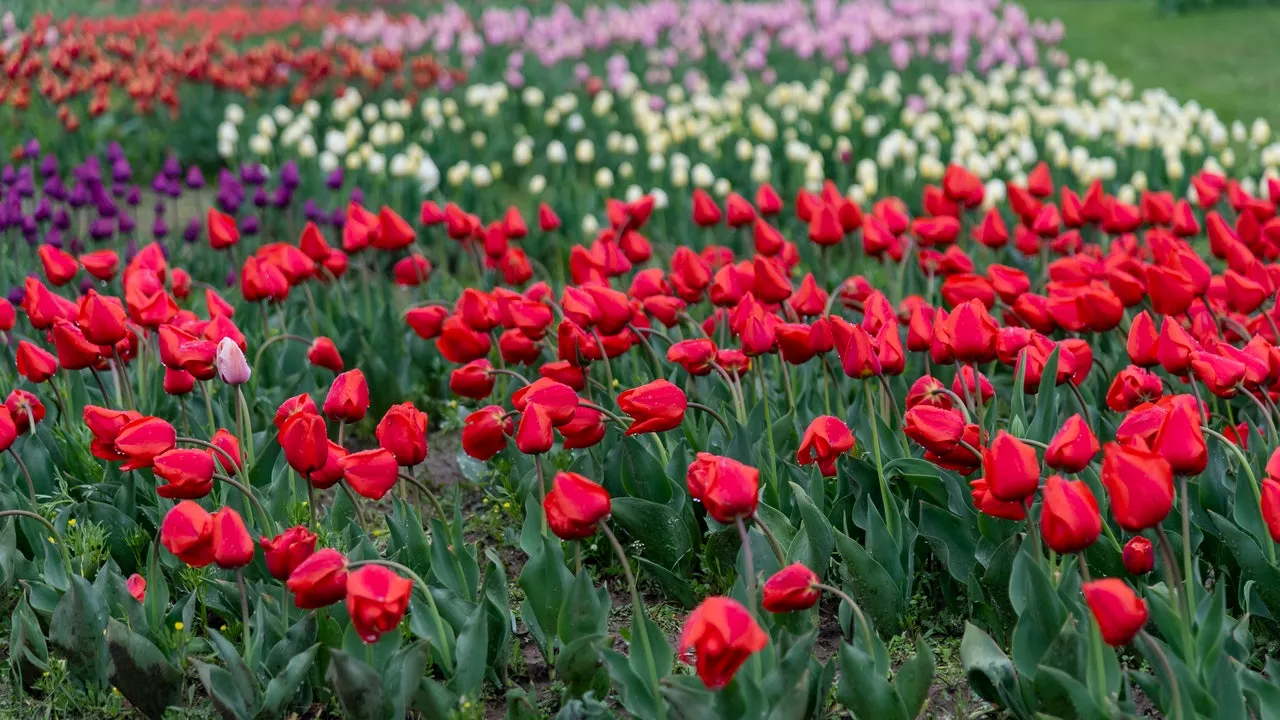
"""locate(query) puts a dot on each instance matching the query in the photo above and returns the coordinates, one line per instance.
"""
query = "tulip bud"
(376, 600)
(232, 367)
(320, 580)
(232, 544)
(1139, 556)
(1069, 518)
(286, 551)
(1119, 611)
(723, 635)
(1010, 467)
(137, 587)
(790, 589)
(575, 506)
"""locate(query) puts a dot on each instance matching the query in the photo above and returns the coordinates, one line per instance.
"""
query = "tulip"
(695, 356)
(221, 229)
(403, 432)
(35, 363)
(348, 398)
(1140, 485)
(857, 350)
(824, 440)
(1138, 556)
(534, 435)
(728, 488)
(723, 635)
(1069, 519)
(655, 407)
(25, 408)
(323, 353)
(1011, 468)
(377, 599)
(989, 504)
(585, 430)
(137, 587)
(575, 506)
(484, 432)
(102, 319)
(557, 400)
(474, 381)
(187, 531)
(1119, 611)
(1271, 506)
(233, 369)
(8, 429)
(286, 551)
(320, 580)
(189, 474)
(232, 544)
(790, 589)
(305, 441)
(232, 462)
(371, 473)
(1181, 439)
(935, 429)
(705, 211)
(141, 440)
(972, 333)
(1132, 387)
(1073, 447)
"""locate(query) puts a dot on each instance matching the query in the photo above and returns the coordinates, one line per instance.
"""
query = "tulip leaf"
(663, 536)
(246, 682)
(426, 622)
(990, 672)
(298, 638)
(8, 551)
(222, 691)
(1225, 686)
(77, 631)
(1046, 416)
(580, 661)
(403, 674)
(951, 540)
(1248, 512)
(358, 687)
(28, 653)
(872, 586)
(452, 562)
(1262, 695)
(777, 522)
(675, 586)
(407, 540)
(585, 610)
(1080, 701)
(545, 581)
(473, 652)
(1040, 621)
(632, 471)
(377, 653)
(1253, 564)
(141, 672)
(864, 691)
(284, 686)
(820, 536)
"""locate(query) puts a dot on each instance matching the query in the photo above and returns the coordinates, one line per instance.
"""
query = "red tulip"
(1073, 447)
(695, 356)
(305, 441)
(534, 435)
(233, 460)
(1140, 485)
(575, 506)
(791, 589)
(1271, 506)
(141, 440)
(989, 504)
(348, 398)
(187, 531)
(1139, 556)
(705, 211)
(654, 407)
(585, 430)
(59, 265)
(484, 432)
(403, 432)
(323, 353)
(935, 429)
(286, 551)
(371, 473)
(320, 580)
(1132, 387)
(75, 352)
(723, 635)
(331, 474)
(376, 600)
(35, 363)
(857, 350)
(1181, 439)
(1011, 468)
(826, 439)
(25, 408)
(102, 319)
(558, 400)
(232, 544)
(221, 229)
(1120, 613)
(728, 488)
(1069, 518)
(189, 474)
(137, 587)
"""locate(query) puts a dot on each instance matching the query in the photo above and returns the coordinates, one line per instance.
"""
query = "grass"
(1224, 59)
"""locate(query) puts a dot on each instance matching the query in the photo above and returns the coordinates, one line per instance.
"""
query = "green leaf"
(473, 644)
(222, 691)
(1046, 417)
(585, 610)
(676, 586)
(28, 653)
(872, 586)
(403, 675)
(156, 602)
(1082, 702)
(294, 642)
(580, 661)
(821, 535)
(426, 622)
(141, 672)
(914, 678)
(658, 528)
(545, 581)
(357, 686)
(1253, 564)
(863, 691)
(284, 686)
(8, 551)
(951, 540)
(77, 631)
(989, 670)
(246, 681)
(1040, 617)
(1226, 689)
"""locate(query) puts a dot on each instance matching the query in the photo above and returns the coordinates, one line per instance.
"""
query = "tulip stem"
(246, 433)
(208, 406)
(1266, 413)
(268, 523)
(1033, 533)
(431, 497)
(102, 387)
(426, 592)
(653, 354)
(542, 491)
(735, 392)
(55, 537)
(257, 357)
(1188, 562)
(31, 486)
(637, 609)
(311, 501)
(244, 614)
(714, 414)
(785, 369)
(773, 540)
(1173, 577)
(1168, 673)
(607, 413)
(608, 367)
(768, 428)
(890, 511)
(1095, 631)
(826, 386)
(509, 373)
(977, 396)
(355, 501)
(748, 561)
(1248, 470)
(857, 611)
(57, 400)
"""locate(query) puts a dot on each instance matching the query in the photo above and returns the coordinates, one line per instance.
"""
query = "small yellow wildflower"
(71, 522)
(178, 625)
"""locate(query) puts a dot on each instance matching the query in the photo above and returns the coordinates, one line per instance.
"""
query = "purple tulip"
(79, 196)
(133, 198)
(54, 239)
(260, 197)
(62, 219)
(339, 218)
(232, 277)
(74, 246)
(289, 175)
(43, 210)
(114, 151)
(249, 226)
(172, 168)
(311, 211)
(121, 172)
(8, 176)
(281, 198)
(101, 229)
(159, 229)
(357, 196)
(86, 284)
(54, 189)
(335, 179)
(125, 223)
(16, 295)
(49, 166)
(32, 148)
(192, 232)
(195, 178)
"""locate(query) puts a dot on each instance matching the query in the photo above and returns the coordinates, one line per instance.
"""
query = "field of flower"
(676, 359)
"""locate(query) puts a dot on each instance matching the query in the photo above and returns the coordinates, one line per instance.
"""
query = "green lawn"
(1228, 60)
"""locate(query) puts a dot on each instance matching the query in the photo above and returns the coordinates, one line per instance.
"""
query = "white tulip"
(328, 162)
(282, 115)
(660, 199)
(266, 126)
(369, 113)
(377, 164)
(233, 114)
(522, 153)
(721, 187)
(626, 170)
(537, 184)
(458, 174)
(378, 134)
(428, 175)
(354, 161)
(307, 147)
(556, 152)
(260, 145)
(226, 149)
(533, 96)
(604, 178)
(584, 152)
(227, 132)
(481, 176)
(590, 226)
(575, 123)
